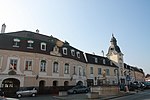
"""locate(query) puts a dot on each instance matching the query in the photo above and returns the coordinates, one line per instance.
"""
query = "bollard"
(126, 87)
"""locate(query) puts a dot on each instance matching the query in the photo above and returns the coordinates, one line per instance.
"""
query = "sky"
(86, 24)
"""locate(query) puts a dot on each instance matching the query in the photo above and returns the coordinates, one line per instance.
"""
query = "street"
(39, 97)
(142, 95)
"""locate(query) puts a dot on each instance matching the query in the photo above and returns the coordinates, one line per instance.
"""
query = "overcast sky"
(86, 24)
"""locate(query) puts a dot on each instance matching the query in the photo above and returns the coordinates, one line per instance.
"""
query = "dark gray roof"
(6, 43)
(129, 67)
(91, 60)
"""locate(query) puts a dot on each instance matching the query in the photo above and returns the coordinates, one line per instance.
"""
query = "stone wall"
(105, 90)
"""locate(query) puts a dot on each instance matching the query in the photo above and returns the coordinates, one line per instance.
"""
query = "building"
(33, 59)
(127, 73)
(101, 70)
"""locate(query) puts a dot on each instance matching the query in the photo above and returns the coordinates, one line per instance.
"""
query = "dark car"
(78, 89)
(147, 84)
(137, 86)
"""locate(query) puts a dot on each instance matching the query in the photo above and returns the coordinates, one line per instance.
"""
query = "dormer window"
(78, 54)
(104, 61)
(73, 52)
(96, 60)
(43, 46)
(65, 51)
(16, 42)
(30, 44)
(111, 63)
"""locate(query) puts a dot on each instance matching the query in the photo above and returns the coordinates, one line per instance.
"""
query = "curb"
(113, 97)
(101, 98)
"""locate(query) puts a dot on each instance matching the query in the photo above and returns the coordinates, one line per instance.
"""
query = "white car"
(4, 98)
(26, 92)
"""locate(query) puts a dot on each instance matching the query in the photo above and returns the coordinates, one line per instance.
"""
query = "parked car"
(26, 92)
(4, 98)
(78, 89)
(147, 84)
(137, 86)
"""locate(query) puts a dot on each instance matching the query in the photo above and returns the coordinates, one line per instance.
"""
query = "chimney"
(37, 31)
(3, 28)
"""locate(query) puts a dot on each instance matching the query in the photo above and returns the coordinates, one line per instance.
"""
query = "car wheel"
(74, 92)
(19, 95)
(33, 95)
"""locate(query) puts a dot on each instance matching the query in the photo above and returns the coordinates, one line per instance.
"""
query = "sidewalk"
(85, 96)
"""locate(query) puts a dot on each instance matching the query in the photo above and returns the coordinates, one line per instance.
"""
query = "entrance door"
(10, 86)
(41, 86)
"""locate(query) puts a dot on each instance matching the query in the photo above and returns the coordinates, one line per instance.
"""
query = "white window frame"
(84, 72)
(66, 68)
(100, 72)
(29, 67)
(78, 54)
(12, 66)
(91, 70)
(43, 44)
(65, 51)
(73, 52)
(111, 63)
(43, 66)
(107, 72)
(55, 68)
(16, 42)
(30, 44)
(104, 61)
(96, 60)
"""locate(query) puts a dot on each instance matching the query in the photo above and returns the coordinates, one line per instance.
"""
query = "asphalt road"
(39, 97)
(144, 95)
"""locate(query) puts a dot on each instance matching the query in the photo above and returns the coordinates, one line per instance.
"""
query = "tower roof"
(114, 46)
(113, 39)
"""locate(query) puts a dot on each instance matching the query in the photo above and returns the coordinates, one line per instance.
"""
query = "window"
(79, 71)
(43, 46)
(107, 72)
(43, 66)
(30, 44)
(73, 52)
(66, 70)
(65, 51)
(1, 58)
(121, 71)
(28, 65)
(91, 70)
(104, 62)
(96, 61)
(99, 71)
(55, 67)
(13, 64)
(111, 63)
(78, 54)
(74, 70)
(16, 43)
(84, 72)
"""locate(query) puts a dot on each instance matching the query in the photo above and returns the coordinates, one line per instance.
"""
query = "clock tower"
(115, 54)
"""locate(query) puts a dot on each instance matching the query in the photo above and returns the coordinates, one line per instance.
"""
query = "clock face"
(120, 59)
